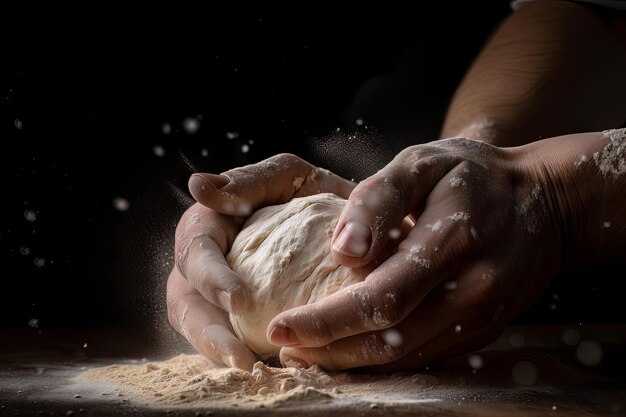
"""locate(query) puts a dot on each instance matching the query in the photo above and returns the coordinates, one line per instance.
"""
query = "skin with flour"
(547, 205)
(552, 68)
(283, 254)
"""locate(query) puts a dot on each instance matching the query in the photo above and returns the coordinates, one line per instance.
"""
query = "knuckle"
(381, 185)
(323, 331)
(460, 243)
(201, 278)
(173, 312)
(409, 154)
(190, 217)
(181, 261)
(285, 156)
(390, 308)
(287, 160)
(313, 325)
(368, 185)
(416, 153)
(376, 351)
(379, 311)
(379, 195)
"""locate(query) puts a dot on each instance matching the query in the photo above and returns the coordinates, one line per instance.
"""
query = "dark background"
(83, 103)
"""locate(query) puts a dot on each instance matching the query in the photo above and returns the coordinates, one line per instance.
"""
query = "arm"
(551, 68)
(584, 177)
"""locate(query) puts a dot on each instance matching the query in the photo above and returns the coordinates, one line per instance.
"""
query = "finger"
(378, 347)
(321, 180)
(387, 352)
(440, 310)
(447, 345)
(378, 204)
(393, 290)
(205, 326)
(275, 180)
(209, 273)
(203, 236)
(479, 320)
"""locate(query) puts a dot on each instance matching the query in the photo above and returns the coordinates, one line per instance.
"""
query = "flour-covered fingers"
(275, 180)
(321, 180)
(468, 304)
(385, 346)
(203, 236)
(402, 347)
(377, 206)
(424, 259)
(381, 301)
(209, 273)
(204, 325)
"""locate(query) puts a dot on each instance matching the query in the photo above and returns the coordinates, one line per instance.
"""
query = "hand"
(485, 244)
(202, 289)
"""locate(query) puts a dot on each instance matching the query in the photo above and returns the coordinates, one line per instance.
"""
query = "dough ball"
(283, 255)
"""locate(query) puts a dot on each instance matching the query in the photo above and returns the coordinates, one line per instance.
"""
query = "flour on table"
(191, 381)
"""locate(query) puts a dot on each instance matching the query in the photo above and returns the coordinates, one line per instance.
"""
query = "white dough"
(283, 255)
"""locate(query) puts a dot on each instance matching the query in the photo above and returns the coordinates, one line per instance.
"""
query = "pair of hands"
(483, 247)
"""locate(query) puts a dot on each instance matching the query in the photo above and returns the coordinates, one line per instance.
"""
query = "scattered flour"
(297, 183)
(582, 160)
(193, 219)
(456, 182)
(435, 226)
(181, 257)
(459, 216)
(523, 210)
(190, 380)
(413, 256)
(612, 159)
(474, 233)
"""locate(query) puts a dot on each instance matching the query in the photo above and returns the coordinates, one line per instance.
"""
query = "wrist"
(582, 181)
(482, 129)
(493, 130)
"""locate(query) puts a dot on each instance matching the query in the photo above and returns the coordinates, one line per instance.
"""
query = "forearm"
(583, 178)
(551, 68)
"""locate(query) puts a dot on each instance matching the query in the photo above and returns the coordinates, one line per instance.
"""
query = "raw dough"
(283, 255)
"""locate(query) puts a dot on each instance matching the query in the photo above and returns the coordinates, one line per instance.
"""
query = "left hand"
(484, 246)
(202, 289)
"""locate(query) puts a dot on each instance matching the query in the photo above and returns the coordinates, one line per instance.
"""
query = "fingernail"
(225, 300)
(284, 336)
(290, 362)
(200, 179)
(354, 240)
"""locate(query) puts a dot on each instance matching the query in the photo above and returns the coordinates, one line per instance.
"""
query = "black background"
(92, 95)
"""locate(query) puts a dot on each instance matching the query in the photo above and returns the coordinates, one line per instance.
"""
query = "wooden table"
(36, 371)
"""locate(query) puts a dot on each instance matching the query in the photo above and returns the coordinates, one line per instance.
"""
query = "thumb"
(274, 180)
(375, 213)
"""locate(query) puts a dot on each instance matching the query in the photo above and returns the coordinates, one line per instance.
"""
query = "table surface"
(37, 370)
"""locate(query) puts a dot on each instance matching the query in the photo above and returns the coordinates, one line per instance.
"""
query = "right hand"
(486, 222)
(202, 289)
